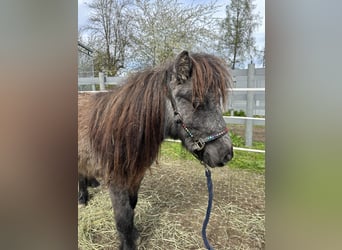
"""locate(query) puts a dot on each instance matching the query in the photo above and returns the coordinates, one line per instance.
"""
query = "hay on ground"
(172, 205)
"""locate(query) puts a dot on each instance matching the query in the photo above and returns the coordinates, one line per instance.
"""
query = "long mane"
(126, 126)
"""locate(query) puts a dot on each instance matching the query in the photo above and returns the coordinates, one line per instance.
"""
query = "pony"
(120, 131)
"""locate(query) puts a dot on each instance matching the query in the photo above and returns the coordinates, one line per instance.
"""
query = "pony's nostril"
(229, 156)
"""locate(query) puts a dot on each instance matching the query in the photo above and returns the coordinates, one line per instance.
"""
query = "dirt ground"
(172, 205)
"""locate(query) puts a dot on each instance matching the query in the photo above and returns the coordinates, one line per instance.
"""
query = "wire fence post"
(250, 105)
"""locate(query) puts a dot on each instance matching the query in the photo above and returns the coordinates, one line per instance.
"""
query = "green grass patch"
(248, 160)
(175, 151)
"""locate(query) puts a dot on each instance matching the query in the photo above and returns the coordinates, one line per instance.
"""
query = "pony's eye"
(198, 104)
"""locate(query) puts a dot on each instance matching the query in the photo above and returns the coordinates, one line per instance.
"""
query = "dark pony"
(120, 131)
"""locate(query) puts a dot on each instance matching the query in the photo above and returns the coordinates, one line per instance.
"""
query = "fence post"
(102, 81)
(250, 105)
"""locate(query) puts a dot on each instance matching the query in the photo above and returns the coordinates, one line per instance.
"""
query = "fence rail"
(241, 120)
(248, 89)
(235, 148)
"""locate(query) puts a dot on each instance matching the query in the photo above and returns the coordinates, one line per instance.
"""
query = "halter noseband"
(197, 144)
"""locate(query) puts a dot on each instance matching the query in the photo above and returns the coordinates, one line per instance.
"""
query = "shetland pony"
(120, 131)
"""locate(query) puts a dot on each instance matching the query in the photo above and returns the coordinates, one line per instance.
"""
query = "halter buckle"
(198, 145)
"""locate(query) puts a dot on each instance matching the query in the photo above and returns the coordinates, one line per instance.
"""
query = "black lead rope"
(207, 215)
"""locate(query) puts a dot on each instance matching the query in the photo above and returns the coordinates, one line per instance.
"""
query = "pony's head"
(198, 87)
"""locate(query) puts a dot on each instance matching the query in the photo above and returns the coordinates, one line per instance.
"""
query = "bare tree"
(237, 29)
(109, 28)
(130, 34)
(164, 27)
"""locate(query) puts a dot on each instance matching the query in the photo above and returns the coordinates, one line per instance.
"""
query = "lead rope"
(210, 202)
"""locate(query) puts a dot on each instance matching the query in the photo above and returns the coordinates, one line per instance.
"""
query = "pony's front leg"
(124, 203)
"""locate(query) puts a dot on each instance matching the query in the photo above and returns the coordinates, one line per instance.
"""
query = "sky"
(259, 34)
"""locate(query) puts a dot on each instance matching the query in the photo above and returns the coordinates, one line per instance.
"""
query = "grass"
(247, 160)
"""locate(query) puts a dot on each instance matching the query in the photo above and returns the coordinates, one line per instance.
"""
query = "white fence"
(247, 94)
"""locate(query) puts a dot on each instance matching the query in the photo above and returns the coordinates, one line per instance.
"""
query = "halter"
(198, 144)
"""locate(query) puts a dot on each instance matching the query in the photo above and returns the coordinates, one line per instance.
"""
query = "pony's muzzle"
(226, 158)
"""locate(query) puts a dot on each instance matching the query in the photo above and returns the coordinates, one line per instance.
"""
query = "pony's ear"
(183, 67)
